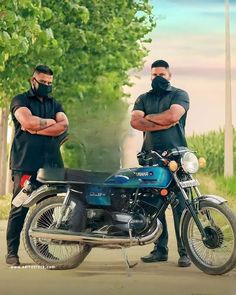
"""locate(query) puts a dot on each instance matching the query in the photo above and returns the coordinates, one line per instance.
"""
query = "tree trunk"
(3, 150)
(9, 183)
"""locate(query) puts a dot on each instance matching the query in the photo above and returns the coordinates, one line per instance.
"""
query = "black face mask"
(160, 84)
(43, 90)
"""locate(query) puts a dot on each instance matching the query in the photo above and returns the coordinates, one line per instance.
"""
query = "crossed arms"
(156, 122)
(51, 127)
(41, 126)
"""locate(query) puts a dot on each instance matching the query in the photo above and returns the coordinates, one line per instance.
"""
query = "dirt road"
(104, 272)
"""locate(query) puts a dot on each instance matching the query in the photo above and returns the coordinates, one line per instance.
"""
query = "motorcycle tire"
(217, 254)
(36, 248)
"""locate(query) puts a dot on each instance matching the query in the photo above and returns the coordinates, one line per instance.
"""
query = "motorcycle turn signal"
(202, 162)
(164, 192)
(173, 166)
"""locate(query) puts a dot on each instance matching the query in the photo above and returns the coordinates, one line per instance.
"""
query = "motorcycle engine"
(118, 215)
(135, 222)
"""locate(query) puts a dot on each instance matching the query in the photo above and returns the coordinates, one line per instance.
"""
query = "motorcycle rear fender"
(43, 192)
(212, 198)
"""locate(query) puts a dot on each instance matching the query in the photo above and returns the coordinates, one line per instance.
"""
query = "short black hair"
(43, 69)
(160, 64)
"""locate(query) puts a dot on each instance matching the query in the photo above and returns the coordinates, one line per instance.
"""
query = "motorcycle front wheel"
(49, 253)
(216, 254)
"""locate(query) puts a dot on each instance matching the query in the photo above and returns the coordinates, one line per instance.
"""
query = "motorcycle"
(73, 211)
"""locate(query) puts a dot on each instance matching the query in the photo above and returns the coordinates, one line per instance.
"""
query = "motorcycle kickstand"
(128, 265)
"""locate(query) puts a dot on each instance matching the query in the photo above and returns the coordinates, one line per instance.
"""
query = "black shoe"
(154, 257)
(12, 260)
(184, 261)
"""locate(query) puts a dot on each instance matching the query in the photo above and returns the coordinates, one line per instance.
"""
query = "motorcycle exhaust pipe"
(61, 235)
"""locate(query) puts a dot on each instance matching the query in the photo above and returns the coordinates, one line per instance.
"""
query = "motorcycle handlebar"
(150, 158)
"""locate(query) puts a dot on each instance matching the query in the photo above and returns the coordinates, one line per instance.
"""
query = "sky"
(190, 35)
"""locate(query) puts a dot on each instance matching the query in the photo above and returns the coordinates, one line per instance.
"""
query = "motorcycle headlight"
(190, 162)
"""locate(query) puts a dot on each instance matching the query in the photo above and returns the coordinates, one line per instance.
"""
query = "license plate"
(189, 183)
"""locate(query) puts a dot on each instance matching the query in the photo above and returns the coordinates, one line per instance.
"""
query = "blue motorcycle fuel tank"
(141, 177)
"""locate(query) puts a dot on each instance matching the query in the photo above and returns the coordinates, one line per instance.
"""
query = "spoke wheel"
(47, 252)
(217, 253)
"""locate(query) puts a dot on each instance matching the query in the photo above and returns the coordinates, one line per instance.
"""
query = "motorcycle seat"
(70, 176)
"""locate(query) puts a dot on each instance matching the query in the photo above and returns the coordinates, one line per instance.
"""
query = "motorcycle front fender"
(212, 198)
(43, 192)
(197, 201)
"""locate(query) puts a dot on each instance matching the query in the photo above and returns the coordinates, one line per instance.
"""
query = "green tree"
(23, 42)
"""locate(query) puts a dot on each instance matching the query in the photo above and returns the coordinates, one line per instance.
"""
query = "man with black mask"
(161, 115)
(39, 122)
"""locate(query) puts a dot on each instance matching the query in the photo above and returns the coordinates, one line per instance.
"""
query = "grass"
(224, 187)
(5, 204)
(228, 186)
(211, 146)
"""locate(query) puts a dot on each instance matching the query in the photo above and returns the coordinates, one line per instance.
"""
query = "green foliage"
(211, 146)
(224, 187)
(98, 39)
(228, 183)
(22, 41)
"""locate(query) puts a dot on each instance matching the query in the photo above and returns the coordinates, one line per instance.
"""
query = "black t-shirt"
(29, 152)
(152, 103)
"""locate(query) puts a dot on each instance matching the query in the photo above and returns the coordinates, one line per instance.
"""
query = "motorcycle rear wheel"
(48, 253)
(216, 255)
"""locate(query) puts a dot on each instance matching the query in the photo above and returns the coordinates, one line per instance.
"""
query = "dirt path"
(104, 272)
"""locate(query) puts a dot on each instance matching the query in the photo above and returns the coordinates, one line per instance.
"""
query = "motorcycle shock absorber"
(63, 207)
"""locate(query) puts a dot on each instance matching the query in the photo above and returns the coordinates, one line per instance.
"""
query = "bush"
(5, 204)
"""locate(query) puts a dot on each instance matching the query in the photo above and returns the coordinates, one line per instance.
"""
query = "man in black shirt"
(38, 120)
(161, 115)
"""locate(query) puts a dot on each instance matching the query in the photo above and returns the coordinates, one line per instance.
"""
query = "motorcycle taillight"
(23, 180)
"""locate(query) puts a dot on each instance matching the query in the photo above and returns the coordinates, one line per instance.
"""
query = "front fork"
(190, 207)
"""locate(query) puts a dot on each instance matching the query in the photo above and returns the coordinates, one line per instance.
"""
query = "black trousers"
(162, 242)
(16, 216)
